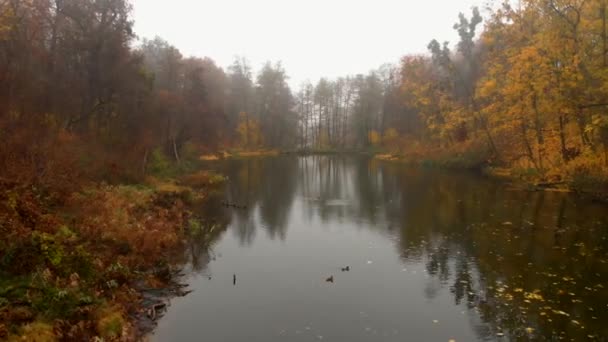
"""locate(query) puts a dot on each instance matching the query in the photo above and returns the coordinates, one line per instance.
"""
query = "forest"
(94, 119)
(523, 89)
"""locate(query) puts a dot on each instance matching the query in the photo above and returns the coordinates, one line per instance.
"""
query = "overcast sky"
(312, 38)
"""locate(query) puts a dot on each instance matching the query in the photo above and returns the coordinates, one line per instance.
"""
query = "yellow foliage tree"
(5, 18)
(248, 129)
(373, 137)
(534, 91)
(391, 139)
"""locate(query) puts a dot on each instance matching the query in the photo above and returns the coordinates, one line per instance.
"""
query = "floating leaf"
(534, 296)
(559, 312)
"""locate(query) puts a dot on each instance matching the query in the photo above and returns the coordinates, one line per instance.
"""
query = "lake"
(432, 256)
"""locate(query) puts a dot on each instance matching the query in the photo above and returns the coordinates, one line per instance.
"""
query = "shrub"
(159, 164)
(203, 179)
(36, 332)
(587, 174)
(131, 222)
(110, 323)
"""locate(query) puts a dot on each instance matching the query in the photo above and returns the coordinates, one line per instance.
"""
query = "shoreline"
(111, 269)
(503, 175)
(452, 162)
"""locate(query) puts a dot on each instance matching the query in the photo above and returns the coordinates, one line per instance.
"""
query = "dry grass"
(139, 221)
(203, 179)
(257, 153)
(387, 157)
(35, 332)
(209, 157)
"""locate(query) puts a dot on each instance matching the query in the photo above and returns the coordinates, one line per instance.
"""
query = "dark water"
(433, 256)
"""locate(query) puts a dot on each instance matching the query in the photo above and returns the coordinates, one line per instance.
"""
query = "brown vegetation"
(84, 116)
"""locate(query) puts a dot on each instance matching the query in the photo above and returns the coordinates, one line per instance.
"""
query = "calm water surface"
(433, 256)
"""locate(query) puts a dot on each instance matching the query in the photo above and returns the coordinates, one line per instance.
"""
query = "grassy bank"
(333, 151)
(240, 153)
(72, 269)
(258, 153)
(582, 175)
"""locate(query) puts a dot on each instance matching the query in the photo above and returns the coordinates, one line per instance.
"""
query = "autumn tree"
(274, 104)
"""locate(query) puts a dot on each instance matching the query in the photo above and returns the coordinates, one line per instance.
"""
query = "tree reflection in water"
(530, 265)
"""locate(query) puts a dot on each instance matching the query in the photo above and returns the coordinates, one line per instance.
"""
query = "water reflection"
(214, 220)
(526, 265)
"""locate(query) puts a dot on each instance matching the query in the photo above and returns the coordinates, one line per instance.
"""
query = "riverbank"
(238, 153)
(79, 268)
(575, 177)
(259, 153)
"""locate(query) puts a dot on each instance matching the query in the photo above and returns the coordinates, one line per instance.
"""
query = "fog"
(313, 39)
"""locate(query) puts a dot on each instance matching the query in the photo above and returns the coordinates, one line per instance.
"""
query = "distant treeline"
(528, 92)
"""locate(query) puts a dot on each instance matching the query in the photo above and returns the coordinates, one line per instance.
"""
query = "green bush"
(190, 154)
(526, 173)
(195, 228)
(159, 164)
(52, 251)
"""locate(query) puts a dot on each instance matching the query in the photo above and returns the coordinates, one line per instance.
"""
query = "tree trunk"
(582, 125)
(540, 139)
(144, 163)
(524, 132)
(247, 135)
(175, 151)
(604, 42)
(491, 140)
(562, 139)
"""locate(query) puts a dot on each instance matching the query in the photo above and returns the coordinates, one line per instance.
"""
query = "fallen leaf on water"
(534, 295)
(529, 330)
(559, 312)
